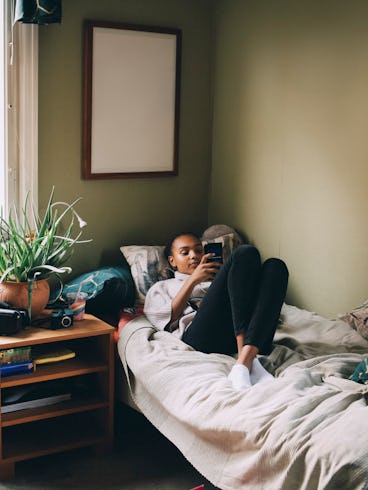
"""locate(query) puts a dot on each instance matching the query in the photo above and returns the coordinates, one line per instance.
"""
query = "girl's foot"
(240, 377)
(258, 373)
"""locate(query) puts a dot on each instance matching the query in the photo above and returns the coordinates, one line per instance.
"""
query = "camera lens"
(66, 321)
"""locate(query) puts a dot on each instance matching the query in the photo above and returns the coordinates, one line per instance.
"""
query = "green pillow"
(108, 289)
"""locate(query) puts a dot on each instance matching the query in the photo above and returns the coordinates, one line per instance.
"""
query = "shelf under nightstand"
(85, 420)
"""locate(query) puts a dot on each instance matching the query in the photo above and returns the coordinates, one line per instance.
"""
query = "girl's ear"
(172, 261)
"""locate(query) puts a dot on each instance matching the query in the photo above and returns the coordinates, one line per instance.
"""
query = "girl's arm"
(204, 272)
(180, 302)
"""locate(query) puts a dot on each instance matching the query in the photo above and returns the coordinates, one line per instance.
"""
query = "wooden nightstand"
(84, 420)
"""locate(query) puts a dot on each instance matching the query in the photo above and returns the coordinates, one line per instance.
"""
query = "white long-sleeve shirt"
(158, 309)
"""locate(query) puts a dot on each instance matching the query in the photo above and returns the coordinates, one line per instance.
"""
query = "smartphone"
(214, 248)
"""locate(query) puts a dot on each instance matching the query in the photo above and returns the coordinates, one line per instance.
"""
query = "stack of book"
(25, 359)
(16, 361)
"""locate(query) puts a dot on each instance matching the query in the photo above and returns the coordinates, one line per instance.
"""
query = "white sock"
(240, 377)
(258, 373)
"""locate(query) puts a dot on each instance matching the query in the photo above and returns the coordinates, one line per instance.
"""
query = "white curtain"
(23, 114)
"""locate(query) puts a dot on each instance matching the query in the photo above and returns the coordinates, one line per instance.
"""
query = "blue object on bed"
(109, 290)
(360, 375)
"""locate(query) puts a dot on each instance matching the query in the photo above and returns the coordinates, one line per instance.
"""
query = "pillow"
(227, 242)
(358, 319)
(225, 235)
(147, 266)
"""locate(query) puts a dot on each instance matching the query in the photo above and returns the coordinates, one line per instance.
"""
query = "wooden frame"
(131, 100)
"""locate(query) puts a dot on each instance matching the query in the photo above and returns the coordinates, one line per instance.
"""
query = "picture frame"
(131, 98)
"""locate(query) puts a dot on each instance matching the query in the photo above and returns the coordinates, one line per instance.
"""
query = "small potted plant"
(32, 248)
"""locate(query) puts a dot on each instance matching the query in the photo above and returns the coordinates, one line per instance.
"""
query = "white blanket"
(307, 429)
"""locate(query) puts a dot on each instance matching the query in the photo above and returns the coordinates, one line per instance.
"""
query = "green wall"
(124, 211)
(290, 146)
(288, 95)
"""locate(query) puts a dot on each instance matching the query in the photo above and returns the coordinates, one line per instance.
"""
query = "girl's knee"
(277, 265)
(248, 252)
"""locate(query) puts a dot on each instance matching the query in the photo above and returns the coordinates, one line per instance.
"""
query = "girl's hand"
(205, 271)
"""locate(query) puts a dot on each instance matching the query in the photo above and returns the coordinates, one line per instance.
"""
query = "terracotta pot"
(16, 294)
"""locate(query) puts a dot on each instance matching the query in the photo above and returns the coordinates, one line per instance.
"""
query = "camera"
(61, 319)
(56, 320)
(12, 320)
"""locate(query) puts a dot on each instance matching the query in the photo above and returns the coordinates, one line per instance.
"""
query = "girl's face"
(187, 252)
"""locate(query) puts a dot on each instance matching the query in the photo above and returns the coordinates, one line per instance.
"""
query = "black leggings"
(245, 296)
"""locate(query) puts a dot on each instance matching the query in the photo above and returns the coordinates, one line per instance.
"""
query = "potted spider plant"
(32, 248)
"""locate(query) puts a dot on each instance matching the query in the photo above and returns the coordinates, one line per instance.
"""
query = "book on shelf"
(50, 353)
(16, 354)
(32, 396)
(39, 402)
(16, 368)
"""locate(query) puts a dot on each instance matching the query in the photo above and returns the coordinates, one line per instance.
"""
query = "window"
(18, 109)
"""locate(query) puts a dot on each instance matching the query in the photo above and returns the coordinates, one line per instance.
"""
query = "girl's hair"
(169, 244)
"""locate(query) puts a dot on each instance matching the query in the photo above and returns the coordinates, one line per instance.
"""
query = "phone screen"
(214, 248)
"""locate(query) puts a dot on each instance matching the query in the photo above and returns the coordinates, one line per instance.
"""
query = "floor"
(142, 460)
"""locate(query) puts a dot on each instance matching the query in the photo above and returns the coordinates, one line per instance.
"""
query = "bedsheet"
(307, 429)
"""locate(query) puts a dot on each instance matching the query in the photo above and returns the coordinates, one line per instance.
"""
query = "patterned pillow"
(225, 235)
(147, 265)
(108, 289)
(227, 242)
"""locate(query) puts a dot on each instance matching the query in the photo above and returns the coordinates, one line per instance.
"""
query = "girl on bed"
(230, 308)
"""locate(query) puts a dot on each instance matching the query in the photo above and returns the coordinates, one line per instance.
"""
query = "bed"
(307, 429)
